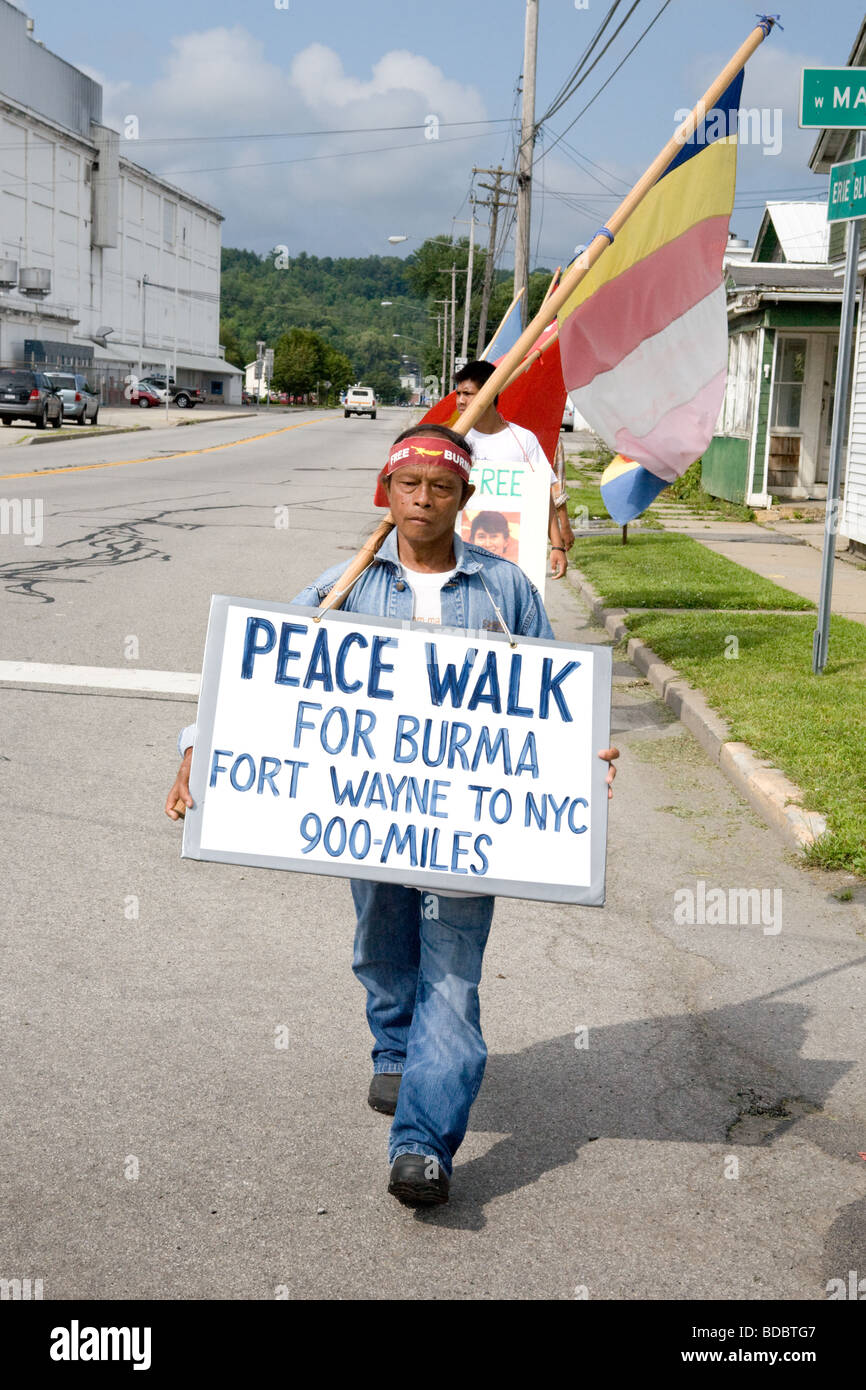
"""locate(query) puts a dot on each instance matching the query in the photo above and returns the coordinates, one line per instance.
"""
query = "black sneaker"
(417, 1181)
(384, 1087)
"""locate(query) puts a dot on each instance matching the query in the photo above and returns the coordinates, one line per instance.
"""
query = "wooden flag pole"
(600, 242)
(570, 280)
(531, 360)
(356, 567)
(554, 280)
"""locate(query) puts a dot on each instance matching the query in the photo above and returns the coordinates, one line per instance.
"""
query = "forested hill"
(340, 300)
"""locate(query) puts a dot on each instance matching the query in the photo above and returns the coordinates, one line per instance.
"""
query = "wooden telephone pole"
(500, 199)
(524, 159)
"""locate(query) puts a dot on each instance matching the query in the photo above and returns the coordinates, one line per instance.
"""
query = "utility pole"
(524, 162)
(497, 201)
(444, 303)
(464, 350)
(453, 317)
(142, 283)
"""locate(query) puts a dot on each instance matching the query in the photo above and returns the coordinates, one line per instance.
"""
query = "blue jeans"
(418, 955)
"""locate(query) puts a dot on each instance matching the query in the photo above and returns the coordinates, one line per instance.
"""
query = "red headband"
(421, 448)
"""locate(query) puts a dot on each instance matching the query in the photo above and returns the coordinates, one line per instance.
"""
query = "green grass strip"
(812, 727)
(669, 571)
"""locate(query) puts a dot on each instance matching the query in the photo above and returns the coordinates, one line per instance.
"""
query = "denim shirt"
(383, 592)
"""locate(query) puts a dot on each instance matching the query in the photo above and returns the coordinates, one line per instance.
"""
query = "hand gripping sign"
(367, 747)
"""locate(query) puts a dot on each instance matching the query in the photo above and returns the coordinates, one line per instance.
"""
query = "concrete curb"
(204, 419)
(103, 430)
(81, 434)
(767, 790)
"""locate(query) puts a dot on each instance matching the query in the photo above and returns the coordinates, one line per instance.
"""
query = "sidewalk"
(787, 552)
(133, 417)
(790, 555)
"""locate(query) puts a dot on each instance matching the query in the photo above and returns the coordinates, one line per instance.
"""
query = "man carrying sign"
(418, 954)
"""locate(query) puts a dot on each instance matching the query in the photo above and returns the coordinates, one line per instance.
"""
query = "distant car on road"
(360, 400)
(28, 395)
(79, 402)
(568, 414)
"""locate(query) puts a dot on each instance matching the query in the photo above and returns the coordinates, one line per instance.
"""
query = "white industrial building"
(103, 265)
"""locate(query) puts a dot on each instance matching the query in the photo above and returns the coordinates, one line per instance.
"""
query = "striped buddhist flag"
(644, 337)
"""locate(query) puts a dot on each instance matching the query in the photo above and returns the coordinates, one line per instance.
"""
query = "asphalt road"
(156, 1142)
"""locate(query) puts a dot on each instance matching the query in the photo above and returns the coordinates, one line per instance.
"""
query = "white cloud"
(112, 93)
(224, 81)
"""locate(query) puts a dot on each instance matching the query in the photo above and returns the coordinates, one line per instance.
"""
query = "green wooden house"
(773, 434)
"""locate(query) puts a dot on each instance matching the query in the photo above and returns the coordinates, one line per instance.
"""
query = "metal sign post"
(840, 416)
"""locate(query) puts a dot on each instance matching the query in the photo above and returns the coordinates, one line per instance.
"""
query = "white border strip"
(102, 677)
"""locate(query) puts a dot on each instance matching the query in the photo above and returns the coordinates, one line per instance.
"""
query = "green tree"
(299, 362)
(338, 370)
(428, 269)
(231, 344)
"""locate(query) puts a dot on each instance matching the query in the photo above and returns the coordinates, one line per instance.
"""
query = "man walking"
(417, 953)
(497, 441)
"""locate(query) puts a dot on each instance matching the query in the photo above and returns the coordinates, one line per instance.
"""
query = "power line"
(258, 164)
(560, 95)
(280, 134)
(579, 159)
(579, 80)
(607, 80)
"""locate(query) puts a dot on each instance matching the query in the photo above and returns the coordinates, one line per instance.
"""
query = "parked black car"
(26, 395)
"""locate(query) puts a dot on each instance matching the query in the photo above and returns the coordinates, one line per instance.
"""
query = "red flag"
(535, 400)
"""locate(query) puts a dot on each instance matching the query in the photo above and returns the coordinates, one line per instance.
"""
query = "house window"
(739, 402)
(788, 391)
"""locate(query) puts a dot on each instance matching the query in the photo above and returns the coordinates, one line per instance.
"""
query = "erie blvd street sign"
(847, 196)
(833, 97)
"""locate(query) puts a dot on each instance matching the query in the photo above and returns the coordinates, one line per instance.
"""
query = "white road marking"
(101, 677)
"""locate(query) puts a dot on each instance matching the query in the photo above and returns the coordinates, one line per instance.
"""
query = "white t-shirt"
(427, 591)
(514, 442)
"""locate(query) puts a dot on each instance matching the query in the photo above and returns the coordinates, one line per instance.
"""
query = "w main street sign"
(833, 97)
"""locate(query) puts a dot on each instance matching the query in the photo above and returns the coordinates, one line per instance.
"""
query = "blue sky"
(192, 74)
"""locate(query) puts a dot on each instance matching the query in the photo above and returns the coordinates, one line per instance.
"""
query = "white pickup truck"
(360, 400)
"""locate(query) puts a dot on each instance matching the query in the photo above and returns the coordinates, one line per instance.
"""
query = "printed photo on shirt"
(498, 532)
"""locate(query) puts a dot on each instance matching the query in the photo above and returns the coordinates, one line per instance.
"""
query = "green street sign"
(833, 97)
(847, 198)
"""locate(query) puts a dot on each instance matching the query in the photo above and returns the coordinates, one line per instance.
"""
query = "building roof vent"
(8, 274)
(35, 282)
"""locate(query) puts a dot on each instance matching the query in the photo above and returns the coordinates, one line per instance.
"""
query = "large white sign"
(373, 748)
(509, 513)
